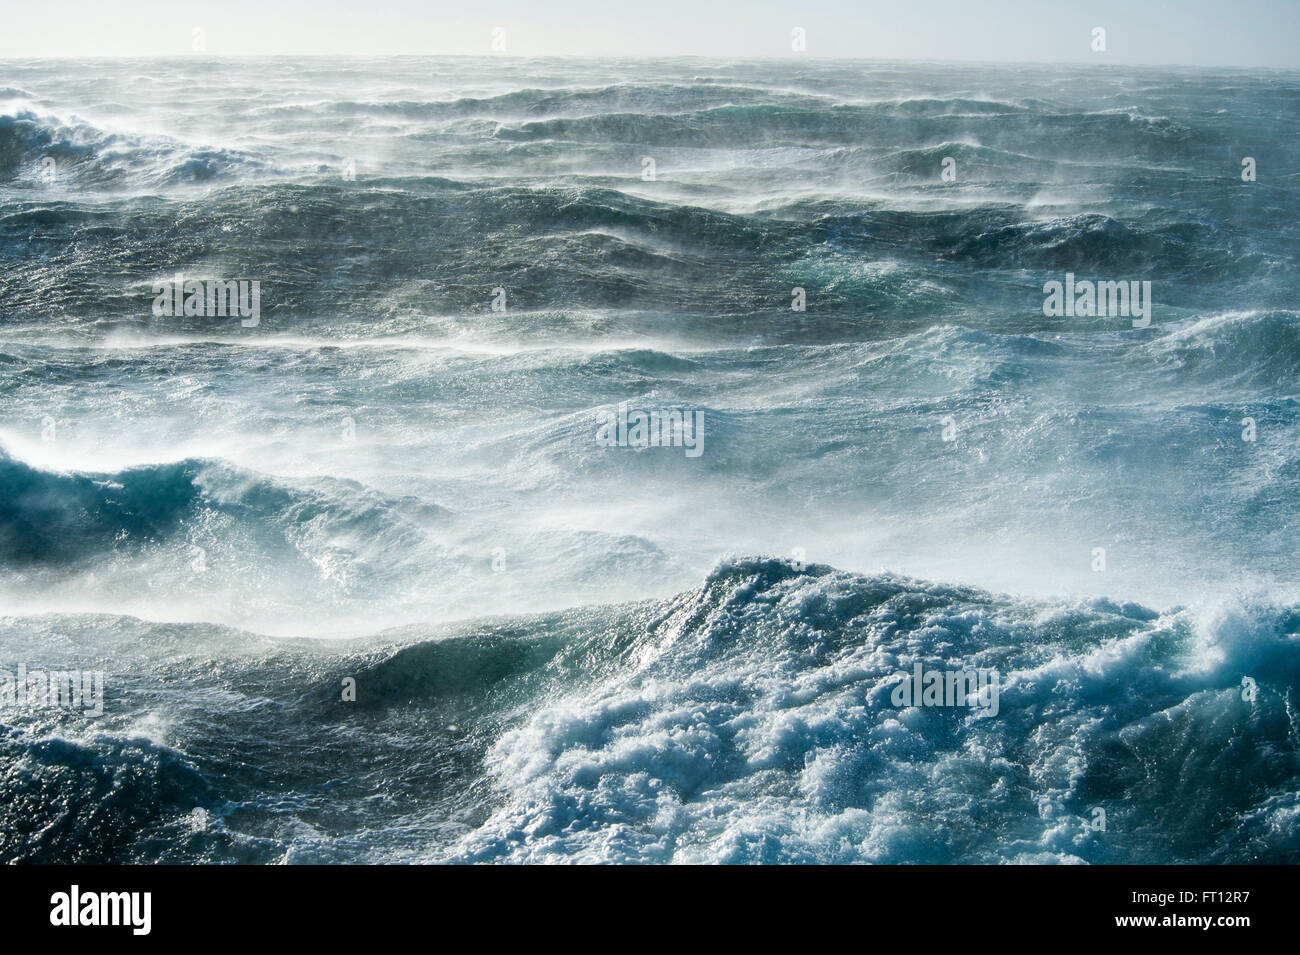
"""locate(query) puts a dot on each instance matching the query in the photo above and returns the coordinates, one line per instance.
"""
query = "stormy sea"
(579, 460)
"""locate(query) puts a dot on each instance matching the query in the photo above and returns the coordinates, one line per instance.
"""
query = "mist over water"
(567, 650)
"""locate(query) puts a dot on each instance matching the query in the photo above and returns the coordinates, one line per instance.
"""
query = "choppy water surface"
(567, 651)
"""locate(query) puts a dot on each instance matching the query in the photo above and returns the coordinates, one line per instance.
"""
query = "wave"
(750, 719)
(67, 518)
(642, 98)
(591, 248)
(1099, 136)
(922, 163)
(90, 157)
(227, 508)
(1234, 350)
(1099, 241)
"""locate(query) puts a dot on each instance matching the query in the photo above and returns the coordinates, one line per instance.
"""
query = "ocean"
(574, 460)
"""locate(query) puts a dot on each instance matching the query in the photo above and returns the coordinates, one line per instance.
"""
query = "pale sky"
(1246, 33)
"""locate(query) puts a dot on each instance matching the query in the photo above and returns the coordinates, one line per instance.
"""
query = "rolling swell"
(583, 247)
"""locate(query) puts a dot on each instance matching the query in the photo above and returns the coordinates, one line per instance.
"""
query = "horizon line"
(763, 57)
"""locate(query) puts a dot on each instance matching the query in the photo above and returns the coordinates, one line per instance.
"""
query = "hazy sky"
(1194, 32)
